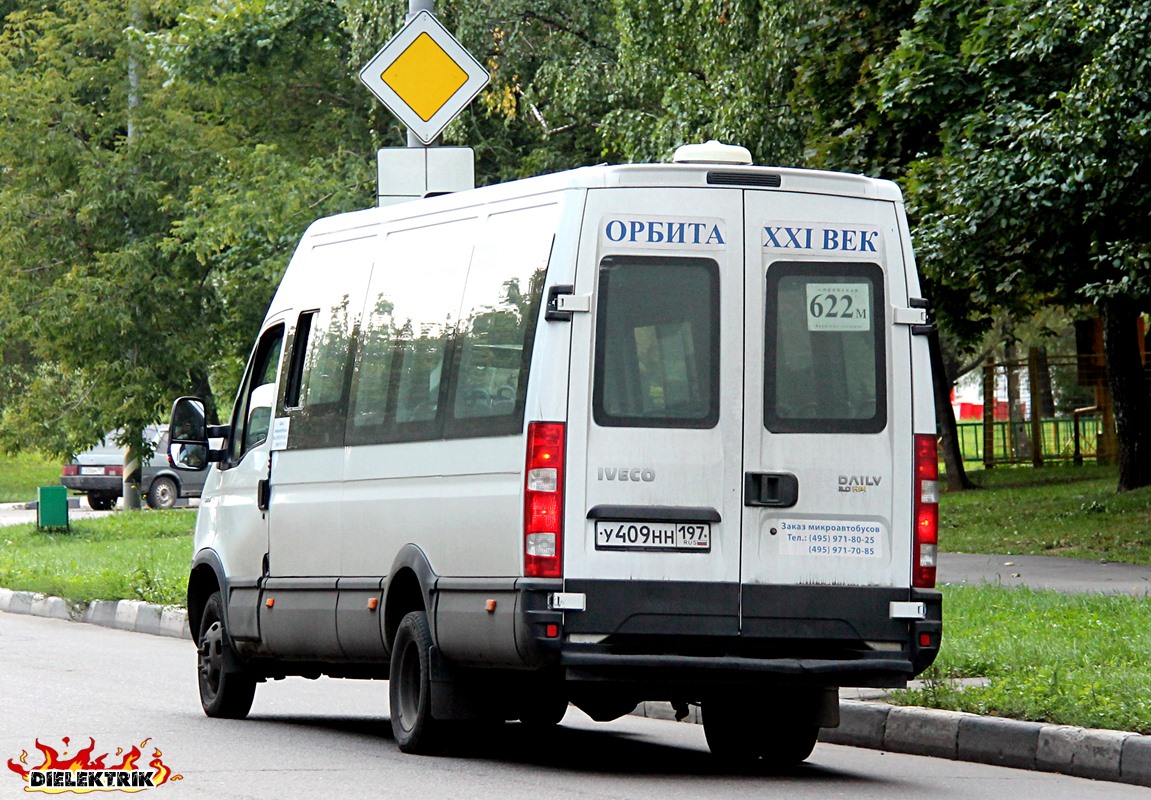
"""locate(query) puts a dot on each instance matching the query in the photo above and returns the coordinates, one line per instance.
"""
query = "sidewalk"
(866, 721)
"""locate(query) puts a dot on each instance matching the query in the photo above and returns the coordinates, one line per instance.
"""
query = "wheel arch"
(206, 577)
(410, 585)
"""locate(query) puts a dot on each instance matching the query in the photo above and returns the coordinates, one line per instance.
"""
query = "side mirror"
(188, 432)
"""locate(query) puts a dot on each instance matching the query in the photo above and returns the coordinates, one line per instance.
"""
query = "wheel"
(409, 689)
(163, 493)
(225, 692)
(750, 735)
(101, 502)
(546, 712)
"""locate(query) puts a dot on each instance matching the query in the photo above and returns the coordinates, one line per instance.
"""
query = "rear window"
(825, 365)
(657, 334)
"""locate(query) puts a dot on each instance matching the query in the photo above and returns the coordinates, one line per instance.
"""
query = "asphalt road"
(328, 738)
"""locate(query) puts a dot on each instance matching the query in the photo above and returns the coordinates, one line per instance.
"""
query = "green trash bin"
(52, 508)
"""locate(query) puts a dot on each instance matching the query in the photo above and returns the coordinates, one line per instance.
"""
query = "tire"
(409, 688)
(163, 493)
(101, 502)
(225, 692)
(545, 713)
(743, 735)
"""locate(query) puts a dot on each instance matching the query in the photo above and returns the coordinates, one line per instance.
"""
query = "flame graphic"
(83, 761)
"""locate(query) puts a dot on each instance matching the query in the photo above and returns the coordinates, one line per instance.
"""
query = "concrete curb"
(126, 615)
(1104, 755)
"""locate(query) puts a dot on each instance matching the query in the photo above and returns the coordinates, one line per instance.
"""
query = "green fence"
(1058, 440)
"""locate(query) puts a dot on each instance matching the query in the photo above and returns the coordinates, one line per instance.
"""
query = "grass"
(1060, 510)
(1065, 659)
(21, 474)
(128, 555)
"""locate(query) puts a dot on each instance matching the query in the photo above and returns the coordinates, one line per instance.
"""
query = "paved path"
(1069, 575)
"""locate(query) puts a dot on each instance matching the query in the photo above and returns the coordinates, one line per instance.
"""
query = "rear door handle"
(770, 489)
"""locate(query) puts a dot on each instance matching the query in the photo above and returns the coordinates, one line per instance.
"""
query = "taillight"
(926, 541)
(71, 469)
(117, 471)
(543, 501)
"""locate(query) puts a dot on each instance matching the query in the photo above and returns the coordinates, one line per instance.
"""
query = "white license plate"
(91, 470)
(688, 537)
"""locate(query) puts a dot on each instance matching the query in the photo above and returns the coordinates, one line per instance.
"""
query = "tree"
(1038, 191)
(83, 215)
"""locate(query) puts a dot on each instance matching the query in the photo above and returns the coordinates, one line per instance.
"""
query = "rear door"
(827, 402)
(655, 421)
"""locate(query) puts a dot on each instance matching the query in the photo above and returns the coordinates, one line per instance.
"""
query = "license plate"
(91, 470)
(686, 537)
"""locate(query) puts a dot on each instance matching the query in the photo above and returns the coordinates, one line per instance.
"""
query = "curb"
(1117, 756)
(125, 615)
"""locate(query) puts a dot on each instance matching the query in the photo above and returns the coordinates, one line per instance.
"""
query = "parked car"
(99, 473)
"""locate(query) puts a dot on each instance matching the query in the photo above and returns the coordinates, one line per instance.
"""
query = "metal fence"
(1057, 438)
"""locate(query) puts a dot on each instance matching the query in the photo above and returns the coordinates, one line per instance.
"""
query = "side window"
(657, 339)
(322, 346)
(498, 321)
(399, 386)
(257, 391)
(825, 365)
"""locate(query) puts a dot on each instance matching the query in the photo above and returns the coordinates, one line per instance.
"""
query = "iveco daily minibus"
(624, 433)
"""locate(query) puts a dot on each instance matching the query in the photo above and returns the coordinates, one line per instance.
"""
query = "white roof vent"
(712, 152)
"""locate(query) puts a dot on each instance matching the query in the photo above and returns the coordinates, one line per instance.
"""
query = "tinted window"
(406, 336)
(316, 394)
(825, 369)
(657, 334)
(497, 323)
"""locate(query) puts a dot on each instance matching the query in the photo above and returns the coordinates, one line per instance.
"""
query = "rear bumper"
(94, 483)
(684, 634)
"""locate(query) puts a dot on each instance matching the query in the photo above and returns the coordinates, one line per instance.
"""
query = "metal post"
(1036, 407)
(989, 413)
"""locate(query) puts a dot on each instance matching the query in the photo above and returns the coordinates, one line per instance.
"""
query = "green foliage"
(160, 160)
(1035, 186)
(1065, 659)
(122, 556)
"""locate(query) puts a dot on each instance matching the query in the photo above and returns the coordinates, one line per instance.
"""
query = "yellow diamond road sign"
(424, 76)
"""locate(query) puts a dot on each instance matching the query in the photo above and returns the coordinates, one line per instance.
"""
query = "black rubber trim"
(720, 177)
(655, 513)
(778, 666)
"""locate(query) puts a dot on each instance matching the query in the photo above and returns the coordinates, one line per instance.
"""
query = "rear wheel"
(409, 690)
(163, 493)
(750, 734)
(101, 502)
(546, 712)
(225, 691)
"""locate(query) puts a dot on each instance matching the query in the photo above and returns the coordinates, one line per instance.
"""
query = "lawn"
(141, 555)
(1066, 659)
(20, 475)
(1060, 510)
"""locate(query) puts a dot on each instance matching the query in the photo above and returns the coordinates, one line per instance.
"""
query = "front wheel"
(409, 689)
(225, 691)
